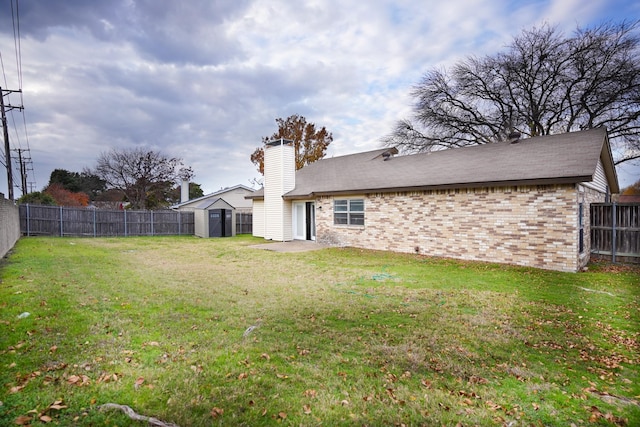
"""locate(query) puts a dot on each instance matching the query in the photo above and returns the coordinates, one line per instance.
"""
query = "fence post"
(95, 231)
(179, 224)
(125, 222)
(61, 227)
(28, 220)
(151, 222)
(613, 232)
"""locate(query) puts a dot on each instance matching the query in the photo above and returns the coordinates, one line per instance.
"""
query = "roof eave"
(606, 157)
(539, 181)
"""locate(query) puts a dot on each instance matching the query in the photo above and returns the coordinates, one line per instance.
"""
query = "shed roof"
(215, 203)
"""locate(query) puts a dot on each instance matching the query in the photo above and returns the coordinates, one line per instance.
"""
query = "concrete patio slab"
(292, 246)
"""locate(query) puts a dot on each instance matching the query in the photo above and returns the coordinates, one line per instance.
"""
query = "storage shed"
(215, 218)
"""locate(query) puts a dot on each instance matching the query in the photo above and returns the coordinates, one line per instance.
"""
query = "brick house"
(523, 202)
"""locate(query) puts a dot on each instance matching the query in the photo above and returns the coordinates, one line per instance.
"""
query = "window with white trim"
(348, 212)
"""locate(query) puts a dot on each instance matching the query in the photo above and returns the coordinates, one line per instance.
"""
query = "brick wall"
(525, 225)
(586, 196)
(9, 225)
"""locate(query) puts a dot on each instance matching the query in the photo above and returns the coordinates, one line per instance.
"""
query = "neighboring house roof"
(553, 159)
(213, 195)
(629, 198)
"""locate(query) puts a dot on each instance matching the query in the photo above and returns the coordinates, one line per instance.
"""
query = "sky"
(205, 80)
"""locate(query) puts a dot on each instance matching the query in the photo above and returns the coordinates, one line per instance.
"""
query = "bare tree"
(310, 143)
(143, 176)
(543, 83)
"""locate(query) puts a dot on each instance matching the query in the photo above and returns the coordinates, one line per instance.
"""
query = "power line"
(15, 18)
(24, 161)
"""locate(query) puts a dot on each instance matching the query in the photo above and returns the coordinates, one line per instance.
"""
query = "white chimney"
(184, 191)
(279, 178)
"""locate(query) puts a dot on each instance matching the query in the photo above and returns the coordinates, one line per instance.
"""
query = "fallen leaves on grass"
(596, 414)
(310, 393)
(106, 377)
(78, 380)
(43, 416)
(23, 381)
(217, 412)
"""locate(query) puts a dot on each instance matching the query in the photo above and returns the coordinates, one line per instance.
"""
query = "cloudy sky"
(204, 80)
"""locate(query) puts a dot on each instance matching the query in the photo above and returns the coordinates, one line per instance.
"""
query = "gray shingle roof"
(564, 158)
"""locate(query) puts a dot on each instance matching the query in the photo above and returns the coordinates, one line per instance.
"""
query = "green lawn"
(339, 337)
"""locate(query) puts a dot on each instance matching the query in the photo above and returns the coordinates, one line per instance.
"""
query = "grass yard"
(200, 332)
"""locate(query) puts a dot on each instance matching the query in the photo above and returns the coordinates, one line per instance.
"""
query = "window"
(348, 212)
(581, 227)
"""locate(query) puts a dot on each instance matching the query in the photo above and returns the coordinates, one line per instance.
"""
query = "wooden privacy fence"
(36, 220)
(244, 222)
(615, 231)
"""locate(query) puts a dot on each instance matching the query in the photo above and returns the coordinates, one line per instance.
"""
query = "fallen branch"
(134, 416)
(612, 398)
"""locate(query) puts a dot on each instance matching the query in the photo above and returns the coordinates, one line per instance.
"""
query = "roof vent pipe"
(514, 137)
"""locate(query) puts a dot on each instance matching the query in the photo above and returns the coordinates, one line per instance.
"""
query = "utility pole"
(7, 147)
(23, 168)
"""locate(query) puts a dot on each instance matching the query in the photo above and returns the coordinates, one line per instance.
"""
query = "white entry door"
(304, 221)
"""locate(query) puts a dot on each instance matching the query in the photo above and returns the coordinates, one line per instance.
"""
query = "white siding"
(279, 178)
(201, 226)
(258, 218)
(599, 182)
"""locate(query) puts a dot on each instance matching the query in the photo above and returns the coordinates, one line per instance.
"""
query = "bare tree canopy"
(543, 83)
(310, 144)
(143, 176)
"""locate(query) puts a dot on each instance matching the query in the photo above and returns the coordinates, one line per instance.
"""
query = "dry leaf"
(46, 419)
(535, 406)
(22, 420)
(58, 404)
(282, 376)
(217, 412)
(310, 393)
(16, 389)
(138, 383)
(493, 406)
(53, 348)
(265, 356)
(282, 415)
(306, 409)
(243, 375)
(345, 402)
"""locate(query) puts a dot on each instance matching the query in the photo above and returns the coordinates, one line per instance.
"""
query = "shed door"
(216, 219)
(220, 223)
